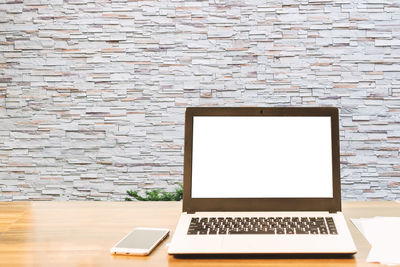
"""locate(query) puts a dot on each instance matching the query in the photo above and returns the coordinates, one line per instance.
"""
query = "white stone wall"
(93, 93)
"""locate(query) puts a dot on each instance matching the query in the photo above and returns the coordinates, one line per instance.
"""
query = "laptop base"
(340, 243)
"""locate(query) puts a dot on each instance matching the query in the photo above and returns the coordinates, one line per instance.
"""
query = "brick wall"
(93, 93)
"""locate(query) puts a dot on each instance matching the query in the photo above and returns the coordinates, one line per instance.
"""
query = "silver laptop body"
(261, 180)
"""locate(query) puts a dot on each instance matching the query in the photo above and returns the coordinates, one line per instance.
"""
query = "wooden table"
(81, 234)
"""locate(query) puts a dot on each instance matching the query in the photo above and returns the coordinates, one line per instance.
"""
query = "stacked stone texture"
(93, 93)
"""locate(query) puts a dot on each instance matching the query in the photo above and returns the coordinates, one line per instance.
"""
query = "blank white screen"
(261, 157)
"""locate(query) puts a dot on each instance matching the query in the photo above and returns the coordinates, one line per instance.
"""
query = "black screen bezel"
(261, 204)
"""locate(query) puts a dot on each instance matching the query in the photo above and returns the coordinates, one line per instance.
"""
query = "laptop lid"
(261, 159)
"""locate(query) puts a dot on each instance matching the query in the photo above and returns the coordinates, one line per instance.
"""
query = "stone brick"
(387, 42)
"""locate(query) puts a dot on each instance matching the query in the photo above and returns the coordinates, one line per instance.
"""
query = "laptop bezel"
(191, 205)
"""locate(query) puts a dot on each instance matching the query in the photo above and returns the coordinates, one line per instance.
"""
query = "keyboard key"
(280, 231)
(267, 231)
(222, 231)
(289, 231)
(301, 231)
(192, 232)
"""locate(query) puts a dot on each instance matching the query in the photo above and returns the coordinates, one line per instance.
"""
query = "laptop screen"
(262, 157)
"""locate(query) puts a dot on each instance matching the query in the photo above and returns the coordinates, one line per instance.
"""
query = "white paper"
(383, 233)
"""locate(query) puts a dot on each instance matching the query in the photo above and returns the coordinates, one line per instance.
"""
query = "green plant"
(157, 195)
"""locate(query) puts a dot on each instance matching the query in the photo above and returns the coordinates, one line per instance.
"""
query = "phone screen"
(141, 238)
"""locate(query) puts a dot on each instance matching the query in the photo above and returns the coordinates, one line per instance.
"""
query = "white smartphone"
(141, 241)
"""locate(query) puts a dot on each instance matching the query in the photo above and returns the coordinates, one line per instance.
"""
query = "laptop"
(261, 180)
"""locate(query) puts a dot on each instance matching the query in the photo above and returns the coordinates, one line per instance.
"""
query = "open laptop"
(261, 180)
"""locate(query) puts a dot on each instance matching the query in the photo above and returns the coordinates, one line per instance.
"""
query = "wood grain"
(81, 234)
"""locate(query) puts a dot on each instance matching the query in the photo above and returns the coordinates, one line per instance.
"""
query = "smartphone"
(141, 241)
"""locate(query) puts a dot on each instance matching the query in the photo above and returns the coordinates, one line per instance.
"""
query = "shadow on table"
(265, 256)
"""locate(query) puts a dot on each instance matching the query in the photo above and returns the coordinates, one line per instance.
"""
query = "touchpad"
(247, 243)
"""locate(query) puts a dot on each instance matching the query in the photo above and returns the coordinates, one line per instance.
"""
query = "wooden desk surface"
(81, 234)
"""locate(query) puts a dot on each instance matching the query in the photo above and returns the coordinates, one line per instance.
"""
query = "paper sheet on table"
(383, 233)
(383, 255)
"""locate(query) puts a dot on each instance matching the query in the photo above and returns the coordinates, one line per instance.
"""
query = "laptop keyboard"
(262, 225)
